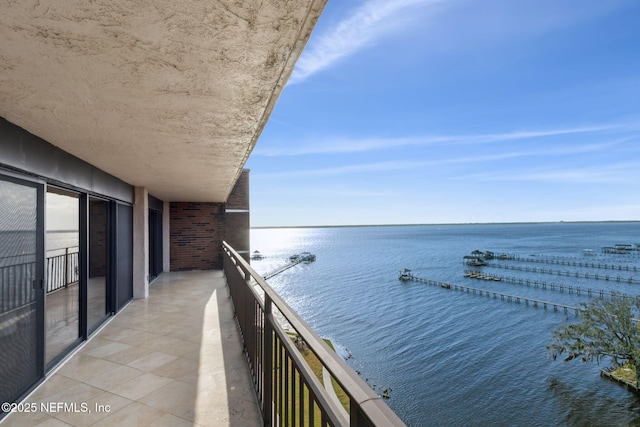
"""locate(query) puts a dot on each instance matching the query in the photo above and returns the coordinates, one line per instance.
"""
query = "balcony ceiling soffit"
(167, 95)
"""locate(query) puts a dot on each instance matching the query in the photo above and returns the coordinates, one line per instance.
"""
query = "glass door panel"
(97, 302)
(21, 261)
(62, 297)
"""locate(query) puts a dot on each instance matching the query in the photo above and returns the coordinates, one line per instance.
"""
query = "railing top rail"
(370, 403)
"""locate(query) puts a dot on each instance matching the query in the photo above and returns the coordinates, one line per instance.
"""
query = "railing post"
(66, 262)
(267, 403)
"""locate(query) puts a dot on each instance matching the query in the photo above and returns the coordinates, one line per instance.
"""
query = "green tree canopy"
(607, 328)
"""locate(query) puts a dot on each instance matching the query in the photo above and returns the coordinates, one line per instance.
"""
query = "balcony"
(172, 359)
(180, 357)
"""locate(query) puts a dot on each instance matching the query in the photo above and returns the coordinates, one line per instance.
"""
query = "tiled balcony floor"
(174, 359)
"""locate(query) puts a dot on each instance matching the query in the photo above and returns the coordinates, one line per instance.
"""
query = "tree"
(607, 328)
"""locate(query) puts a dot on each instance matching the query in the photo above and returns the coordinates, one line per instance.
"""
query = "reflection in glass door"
(21, 272)
(98, 257)
(62, 297)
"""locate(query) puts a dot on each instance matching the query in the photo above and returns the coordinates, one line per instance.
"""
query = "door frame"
(38, 282)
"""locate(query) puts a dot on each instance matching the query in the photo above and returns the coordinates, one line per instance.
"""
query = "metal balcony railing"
(17, 274)
(63, 269)
(288, 390)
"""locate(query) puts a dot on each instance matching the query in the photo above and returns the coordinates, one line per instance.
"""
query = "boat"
(307, 257)
(476, 262)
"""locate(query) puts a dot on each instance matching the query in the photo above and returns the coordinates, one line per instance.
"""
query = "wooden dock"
(281, 269)
(578, 274)
(571, 262)
(552, 286)
(294, 260)
(503, 296)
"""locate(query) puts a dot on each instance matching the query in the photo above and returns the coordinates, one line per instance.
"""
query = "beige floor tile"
(175, 397)
(177, 368)
(97, 408)
(129, 355)
(21, 419)
(176, 347)
(135, 414)
(75, 395)
(141, 339)
(140, 386)
(152, 360)
(107, 349)
(204, 379)
(118, 333)
(52, 422)
(169, 420)
(54, 384)
(115, 378)
(87, 370)
(96, 341)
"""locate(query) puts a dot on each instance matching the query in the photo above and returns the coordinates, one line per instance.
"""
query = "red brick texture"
(197, 231)
(239, 197)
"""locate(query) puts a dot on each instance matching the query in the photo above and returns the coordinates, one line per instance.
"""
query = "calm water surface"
(452, 358)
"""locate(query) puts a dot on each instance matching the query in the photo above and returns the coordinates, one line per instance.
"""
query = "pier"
(578, 274)
(503, 296)
(571, 262)
(293, 261)
(544, 285)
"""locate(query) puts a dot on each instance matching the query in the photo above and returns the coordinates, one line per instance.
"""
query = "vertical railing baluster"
(66, 260)
(267, 343)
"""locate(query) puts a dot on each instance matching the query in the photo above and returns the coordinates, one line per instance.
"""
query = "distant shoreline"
(445, 224)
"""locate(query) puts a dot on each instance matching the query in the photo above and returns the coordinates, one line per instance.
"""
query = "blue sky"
(457, 111)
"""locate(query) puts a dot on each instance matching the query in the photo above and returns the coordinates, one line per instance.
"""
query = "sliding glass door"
(99, 245)
(62, 297)
(21, 286)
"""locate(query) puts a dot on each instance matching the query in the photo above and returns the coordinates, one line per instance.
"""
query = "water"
(452, 358)
(59, 241)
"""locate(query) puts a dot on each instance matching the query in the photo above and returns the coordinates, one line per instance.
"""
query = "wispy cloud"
(625, 172)
(467, 22)
(370, 22)
(596, 174)
(339, 145)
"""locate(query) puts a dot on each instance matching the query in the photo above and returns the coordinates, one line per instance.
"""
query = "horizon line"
(446, 223)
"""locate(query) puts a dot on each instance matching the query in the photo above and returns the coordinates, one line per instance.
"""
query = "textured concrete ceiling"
(170, 95)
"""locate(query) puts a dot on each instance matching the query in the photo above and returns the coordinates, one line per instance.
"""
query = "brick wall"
(239, 197)
(197, 231)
